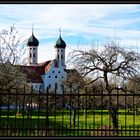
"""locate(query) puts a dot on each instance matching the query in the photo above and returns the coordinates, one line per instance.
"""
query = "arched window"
(30, 55)
(33, 54)
(41, 88)
(57, 54)
(56, 64)
(56, 85)
(49, 86)
(62, 87)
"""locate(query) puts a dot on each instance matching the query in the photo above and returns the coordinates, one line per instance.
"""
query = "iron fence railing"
(78, 113)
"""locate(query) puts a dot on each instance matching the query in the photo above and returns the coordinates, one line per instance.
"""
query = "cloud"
(84, 22)
(75, 18)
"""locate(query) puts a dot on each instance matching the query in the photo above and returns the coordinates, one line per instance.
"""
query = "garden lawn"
(63, 120)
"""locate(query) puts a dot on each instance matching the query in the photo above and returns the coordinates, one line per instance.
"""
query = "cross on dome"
(33, 41)
(32, 28)
(60, 43)
(60, 31)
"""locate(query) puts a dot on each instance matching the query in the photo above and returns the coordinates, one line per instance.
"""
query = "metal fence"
(73, 113)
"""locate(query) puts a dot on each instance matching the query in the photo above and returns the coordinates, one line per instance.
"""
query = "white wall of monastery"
(54, 76)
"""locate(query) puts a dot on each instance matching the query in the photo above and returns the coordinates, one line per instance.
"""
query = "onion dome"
(60, 43)
(33, 41)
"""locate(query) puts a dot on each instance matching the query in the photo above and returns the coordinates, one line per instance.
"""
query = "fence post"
(47, 114)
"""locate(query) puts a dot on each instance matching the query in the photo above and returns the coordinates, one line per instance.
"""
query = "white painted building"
(48, 74)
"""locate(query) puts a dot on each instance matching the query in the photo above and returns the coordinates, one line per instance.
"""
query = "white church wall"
(54, 76)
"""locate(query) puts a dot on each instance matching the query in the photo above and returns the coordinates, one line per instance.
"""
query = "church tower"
(33, 49)
(60, 51)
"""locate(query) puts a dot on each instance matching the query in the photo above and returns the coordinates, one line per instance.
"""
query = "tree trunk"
(113, 109)
(113, 112)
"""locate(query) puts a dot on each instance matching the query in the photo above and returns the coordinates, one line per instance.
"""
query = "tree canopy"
(104, 63)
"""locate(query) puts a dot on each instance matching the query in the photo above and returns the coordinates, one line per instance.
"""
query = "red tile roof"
(34, 72)
(46, 65)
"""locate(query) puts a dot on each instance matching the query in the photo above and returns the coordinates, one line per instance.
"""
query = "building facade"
(49, 74)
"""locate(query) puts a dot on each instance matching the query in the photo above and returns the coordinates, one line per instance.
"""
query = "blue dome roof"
(60, 43)
(33, 41)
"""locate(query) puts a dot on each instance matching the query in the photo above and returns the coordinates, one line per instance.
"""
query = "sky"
(81, 24)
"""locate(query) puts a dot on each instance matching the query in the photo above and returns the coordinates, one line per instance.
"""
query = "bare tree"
(73, 86)
(133, 101)
(74, 81)
(12, 52)
(133, 83)
(103, 64)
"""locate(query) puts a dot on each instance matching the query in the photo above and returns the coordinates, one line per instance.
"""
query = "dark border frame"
(70, 2)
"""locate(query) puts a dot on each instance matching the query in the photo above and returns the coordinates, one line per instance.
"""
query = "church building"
(48, 74)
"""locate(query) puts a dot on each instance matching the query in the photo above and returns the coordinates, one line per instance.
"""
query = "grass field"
(35, 125)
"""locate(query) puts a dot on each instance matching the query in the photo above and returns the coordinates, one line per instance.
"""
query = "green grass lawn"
(32, 126)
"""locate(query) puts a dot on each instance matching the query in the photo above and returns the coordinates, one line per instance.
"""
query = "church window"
(57, 54)
(52, 71)
(56, 64)
(62, 77)
(61, 56)
(62, 86)
(30, 55)
(33, 48)
(41, 87)
(56, 85)
(49, 85)
(49, 76)
(55, 76)
(58, 71)
(33, 54)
